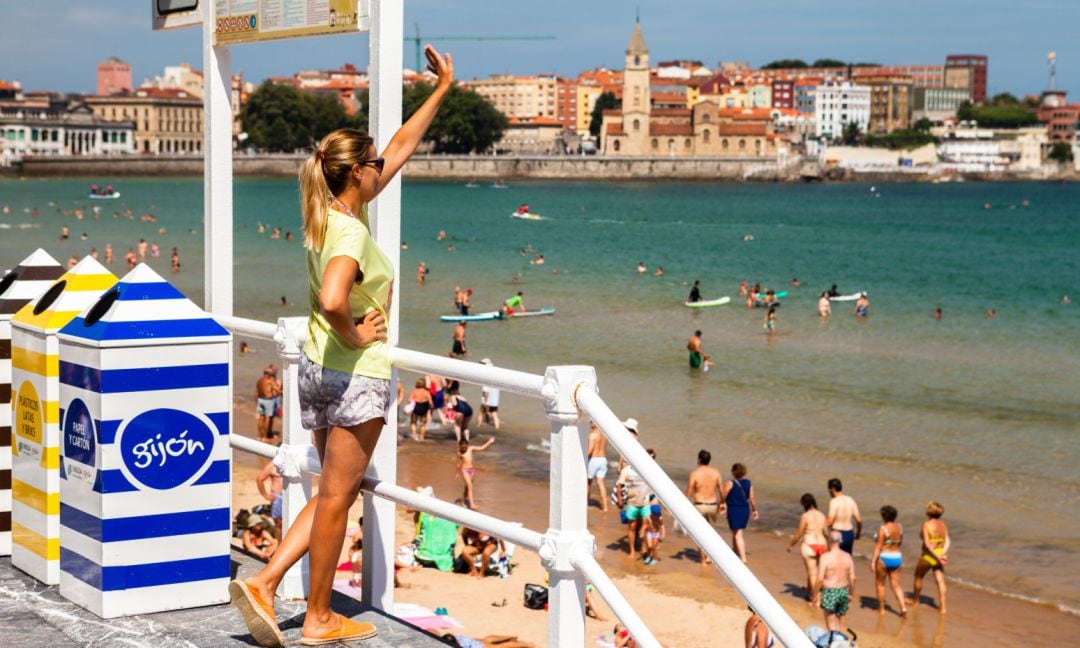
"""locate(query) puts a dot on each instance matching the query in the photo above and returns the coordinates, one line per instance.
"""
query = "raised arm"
(486, 445)
(260, 481)
(408, 137)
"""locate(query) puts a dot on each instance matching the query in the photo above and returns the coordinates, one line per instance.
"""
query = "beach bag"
(536, 596)
(409, 407)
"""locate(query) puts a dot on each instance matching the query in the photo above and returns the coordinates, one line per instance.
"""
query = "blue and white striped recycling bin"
(145, 493)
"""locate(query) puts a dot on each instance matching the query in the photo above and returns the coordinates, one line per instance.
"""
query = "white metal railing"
(567, 548)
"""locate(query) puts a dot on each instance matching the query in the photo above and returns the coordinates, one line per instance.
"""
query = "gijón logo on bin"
(166, 448)
(79, 443)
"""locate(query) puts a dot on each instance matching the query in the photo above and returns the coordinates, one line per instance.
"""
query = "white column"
(386, 45)
(295, 445)
(568, 531)
(217, 173)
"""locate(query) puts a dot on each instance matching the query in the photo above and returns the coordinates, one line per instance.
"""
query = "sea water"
(980, 414)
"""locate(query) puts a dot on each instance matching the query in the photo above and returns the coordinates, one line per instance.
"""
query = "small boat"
(527, 216)
(707, 304)
(499, 185)
(471, 185)
(851, 297)
(534, 313)
(478, 317)
(111, 196)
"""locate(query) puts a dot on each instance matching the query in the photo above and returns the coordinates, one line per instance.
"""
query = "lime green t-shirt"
(347, 236)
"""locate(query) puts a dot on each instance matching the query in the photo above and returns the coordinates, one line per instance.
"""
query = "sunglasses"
(378, 163)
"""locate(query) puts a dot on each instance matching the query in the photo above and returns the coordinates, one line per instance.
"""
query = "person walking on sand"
(597, 465)
(843, 516)
(421, 401)
(344, 375)
(824, 306)
(935, 553)
(835, 586)
(741, 507)
(489, 401)
(811, 531)
(698, 358)
(458, 349)
(634, 499)
(467, 471)
(705, 491)
(265, 403)
(886, 561)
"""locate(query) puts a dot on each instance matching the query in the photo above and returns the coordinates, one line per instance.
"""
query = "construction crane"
(417, 41)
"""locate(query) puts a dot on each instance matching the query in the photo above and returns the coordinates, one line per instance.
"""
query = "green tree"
(852, 134)
(1061, 152)
(606, 101)
(828, 63)
(923, 125)
(466, 122)
(279, 117)
(782, 64)
(998, 115)
(1003, 99)
(901, 139)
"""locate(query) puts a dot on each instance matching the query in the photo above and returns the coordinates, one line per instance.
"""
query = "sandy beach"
(682, 603)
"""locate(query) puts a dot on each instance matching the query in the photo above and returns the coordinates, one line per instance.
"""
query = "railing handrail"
(586, 400)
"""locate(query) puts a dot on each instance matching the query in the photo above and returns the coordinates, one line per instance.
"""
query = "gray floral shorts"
(335, 398)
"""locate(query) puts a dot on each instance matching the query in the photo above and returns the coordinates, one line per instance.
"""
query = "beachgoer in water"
(131, 258)
(935, 553)
(991, 314)
(744, 290)
(142, 250)
(833, 292)
(489, 402)
(659, 271)
(738, 493)
(175, 260)
(345, 396)
(795, 282)
(258, 540)
(887, 559)
(843, 515)
(937, 313)
(458, 349)
(597, 464)
(457, 299)
(698, 358)
(64, 232)
(72, 262)
(155, 251)
(835, 586)
(514, 304)
(459, 409)
(94, 254)
(421, 273)
(466, 301)
(695, 292)
(811, 531)
(641, 267)
(108, 254)
(862, 306)
(756, 634)
(442, 235)
(824, 306)
(539, 260)
(437, 386)
(244, 348)
(770, 320)
(422, 403)
(467, 470)
(705, 491)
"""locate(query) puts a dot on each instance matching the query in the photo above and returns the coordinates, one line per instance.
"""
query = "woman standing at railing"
(344, 376)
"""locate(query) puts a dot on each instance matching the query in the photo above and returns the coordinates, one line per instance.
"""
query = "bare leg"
(632, 532)
(495, 419)
(348, 451)
(939, 577)
(603, 493)
(920, 572)
(468, 494)
(879, 587)
(894, 580)
(412, 428)
(739, 540)
(811, 573)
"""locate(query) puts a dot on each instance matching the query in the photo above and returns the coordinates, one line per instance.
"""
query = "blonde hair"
(935, 510)
(326, 174)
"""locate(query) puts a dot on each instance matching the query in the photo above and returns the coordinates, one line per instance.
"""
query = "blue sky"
(56, 44)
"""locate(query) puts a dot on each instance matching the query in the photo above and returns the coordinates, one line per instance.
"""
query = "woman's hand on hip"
(372, 328)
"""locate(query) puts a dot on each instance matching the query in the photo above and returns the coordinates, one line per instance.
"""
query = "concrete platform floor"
(33, 615)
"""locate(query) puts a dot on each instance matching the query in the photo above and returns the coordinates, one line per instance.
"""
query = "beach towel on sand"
(437, 539)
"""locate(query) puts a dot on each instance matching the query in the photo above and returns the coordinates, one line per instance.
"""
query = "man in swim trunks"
(704, 490)
(843, 516)
(597, 465)
(862, 307)
(698, 358)
(635, 504)
(458, 350)
(835, 587)
(266, 403)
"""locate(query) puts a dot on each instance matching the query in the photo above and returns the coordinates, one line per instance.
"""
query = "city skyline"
(53, 53)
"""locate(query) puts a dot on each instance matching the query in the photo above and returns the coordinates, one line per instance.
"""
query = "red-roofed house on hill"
(651, 123)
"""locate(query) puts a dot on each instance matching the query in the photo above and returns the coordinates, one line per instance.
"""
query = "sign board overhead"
(174, 14)
(248, 21)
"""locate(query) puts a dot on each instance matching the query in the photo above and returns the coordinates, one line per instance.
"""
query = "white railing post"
(385, 46)
(568, 531)
(295, 446)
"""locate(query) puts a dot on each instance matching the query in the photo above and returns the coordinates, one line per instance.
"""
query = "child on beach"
(420, 399)
(655, 533)
(466, 469)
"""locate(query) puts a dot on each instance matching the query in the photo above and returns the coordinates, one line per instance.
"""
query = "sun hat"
(631, 424)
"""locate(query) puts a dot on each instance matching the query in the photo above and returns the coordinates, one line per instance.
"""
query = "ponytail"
(324, 175)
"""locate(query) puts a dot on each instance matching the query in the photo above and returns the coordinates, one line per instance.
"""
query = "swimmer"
(991, 314)
(442, 235)
(695, 292)
(421, 273)
(937, 313)
(770, 320)
(862, 307)
(795, 282)
(659, 271)
(824, 306)
(641, 267)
